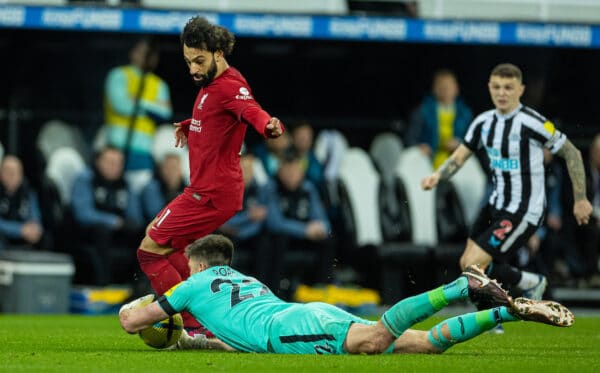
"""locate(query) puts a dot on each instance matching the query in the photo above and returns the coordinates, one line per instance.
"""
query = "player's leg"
(464, 327)
(182, 218)
(154, 262)
(474, 254)
(472, 283)
(180, 262)
(491, 245)
(399, 318)
(531, 285)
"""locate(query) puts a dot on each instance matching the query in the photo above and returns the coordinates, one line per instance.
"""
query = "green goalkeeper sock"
(457, 289)
(412, 310)
(465, 327)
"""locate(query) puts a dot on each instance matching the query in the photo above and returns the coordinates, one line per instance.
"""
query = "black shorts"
(500, 233)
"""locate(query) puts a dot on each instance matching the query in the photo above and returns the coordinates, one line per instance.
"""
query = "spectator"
(135, 100)
(303, 138)
(246, 227)
(297, 218)
(108, 214)
(272, 151)
(441, 121)
(168, 183)
(19, 210)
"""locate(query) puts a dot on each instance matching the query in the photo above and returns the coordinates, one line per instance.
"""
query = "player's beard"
(209, 76)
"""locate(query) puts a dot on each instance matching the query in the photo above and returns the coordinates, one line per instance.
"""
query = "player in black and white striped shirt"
(513, 136)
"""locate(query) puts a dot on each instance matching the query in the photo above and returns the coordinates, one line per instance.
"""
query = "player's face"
(202, 65)
(505, 93)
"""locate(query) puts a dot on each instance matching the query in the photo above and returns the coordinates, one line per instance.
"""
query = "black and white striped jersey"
(514, 144)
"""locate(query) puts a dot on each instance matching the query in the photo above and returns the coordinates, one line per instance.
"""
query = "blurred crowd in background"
(320, 206)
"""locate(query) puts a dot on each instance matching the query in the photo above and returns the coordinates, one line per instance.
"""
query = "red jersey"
(215, 134)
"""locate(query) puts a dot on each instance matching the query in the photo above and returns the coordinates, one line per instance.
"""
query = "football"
(164, 333)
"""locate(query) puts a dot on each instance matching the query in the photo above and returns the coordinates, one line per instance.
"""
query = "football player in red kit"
(223, 109)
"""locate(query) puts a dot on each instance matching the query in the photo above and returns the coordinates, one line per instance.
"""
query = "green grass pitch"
(97, 344)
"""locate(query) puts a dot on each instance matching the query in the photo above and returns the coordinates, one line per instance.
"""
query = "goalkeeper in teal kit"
(246, 316)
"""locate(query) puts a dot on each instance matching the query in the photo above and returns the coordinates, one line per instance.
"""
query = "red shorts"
(186, 219)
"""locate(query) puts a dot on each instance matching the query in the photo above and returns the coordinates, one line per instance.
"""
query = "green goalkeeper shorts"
(311, 328)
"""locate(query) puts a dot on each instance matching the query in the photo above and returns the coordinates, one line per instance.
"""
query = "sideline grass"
(97, 344)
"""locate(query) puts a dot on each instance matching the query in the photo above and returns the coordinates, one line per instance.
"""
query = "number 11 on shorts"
(163, 217)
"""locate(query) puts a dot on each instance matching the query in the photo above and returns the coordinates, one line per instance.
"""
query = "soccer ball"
(164, 333)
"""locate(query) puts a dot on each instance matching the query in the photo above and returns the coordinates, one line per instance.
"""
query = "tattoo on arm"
(575, 167)
(448, 168)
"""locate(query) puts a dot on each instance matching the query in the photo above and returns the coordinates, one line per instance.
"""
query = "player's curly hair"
(201, 34)
(214, 250)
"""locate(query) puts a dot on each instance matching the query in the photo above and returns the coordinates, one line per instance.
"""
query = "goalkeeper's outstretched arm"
(448, 168)
(140, 314)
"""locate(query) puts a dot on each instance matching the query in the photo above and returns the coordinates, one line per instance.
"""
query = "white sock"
(528, 280)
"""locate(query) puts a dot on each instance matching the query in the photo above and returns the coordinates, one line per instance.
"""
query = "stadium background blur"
(359, 86)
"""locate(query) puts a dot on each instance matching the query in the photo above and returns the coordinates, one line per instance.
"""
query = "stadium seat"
(260, 175)
(330, 147)
(57, 134)
(385, 150)
(450, 219)
(394, 212)
(469, 183)
(400, 254)
(361, 182)
(99, 141)
(63, 167)
(412, 167)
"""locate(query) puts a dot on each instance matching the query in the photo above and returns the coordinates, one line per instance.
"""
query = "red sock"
(180, 262)
(163, 275)
(160, 271)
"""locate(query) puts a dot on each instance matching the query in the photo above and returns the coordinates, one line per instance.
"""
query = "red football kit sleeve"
(216, 131)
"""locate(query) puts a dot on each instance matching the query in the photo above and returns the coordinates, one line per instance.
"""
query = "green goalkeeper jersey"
(237, 308)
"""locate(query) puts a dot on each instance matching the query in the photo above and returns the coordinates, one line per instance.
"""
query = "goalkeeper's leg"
(473, 283)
